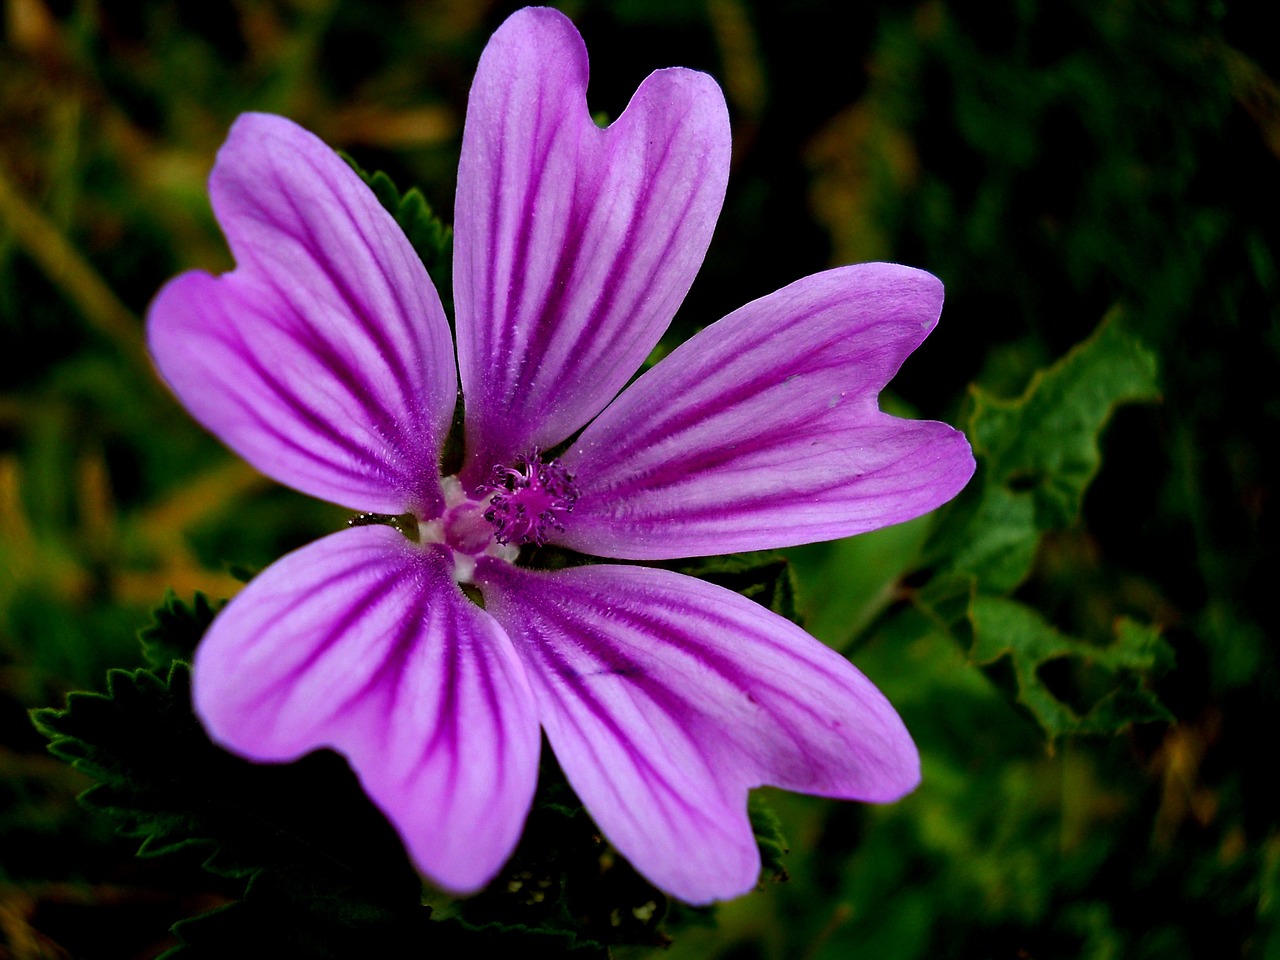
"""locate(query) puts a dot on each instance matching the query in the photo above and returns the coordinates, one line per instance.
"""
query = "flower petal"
(362, 642)
(324, 359)
(763, 430)
(665, 698)
(574, 245)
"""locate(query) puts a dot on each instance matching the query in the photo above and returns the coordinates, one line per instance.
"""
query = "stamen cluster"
(530, 499)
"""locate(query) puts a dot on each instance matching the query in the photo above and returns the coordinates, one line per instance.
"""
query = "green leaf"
(1046, 441)
(769, 837)
(1099, 689)
(761, 576)
(1037, 455)
(176, 629)
(324, 877)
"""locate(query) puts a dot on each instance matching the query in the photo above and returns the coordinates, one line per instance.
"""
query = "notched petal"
(665, 698)
(324, 358)
(574, 245)
(363, 643)
(764, 431)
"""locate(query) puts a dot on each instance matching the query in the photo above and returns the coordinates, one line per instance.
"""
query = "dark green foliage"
(1037, 455)
(769, 835)
(1006, 628)
(1046, 442)
(324, 878)
(763, 577)
(176, 630)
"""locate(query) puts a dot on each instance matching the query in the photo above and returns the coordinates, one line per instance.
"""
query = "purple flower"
(324, 359)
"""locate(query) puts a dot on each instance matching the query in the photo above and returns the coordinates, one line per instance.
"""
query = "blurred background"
(1049, 161)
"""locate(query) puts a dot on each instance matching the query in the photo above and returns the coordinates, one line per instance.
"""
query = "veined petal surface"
(763, 430)
(665, 698)
(363, 642)
(324, 358)
(574, 245)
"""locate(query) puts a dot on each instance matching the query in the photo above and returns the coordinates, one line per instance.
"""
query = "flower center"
(530, 499)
